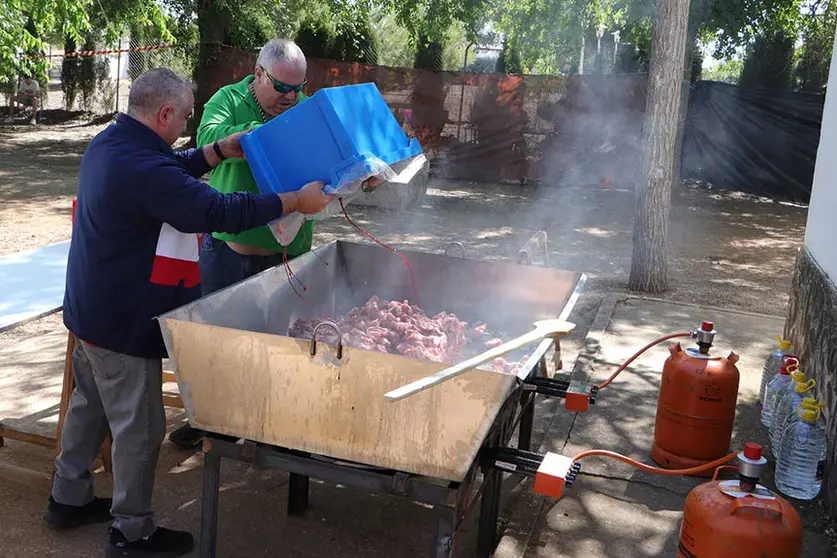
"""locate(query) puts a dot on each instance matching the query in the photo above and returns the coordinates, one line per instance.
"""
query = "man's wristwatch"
(217, 149)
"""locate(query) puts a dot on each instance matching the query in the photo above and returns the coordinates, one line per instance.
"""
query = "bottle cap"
(788, 367)
(784, 344)
(752, 451)
(790, 359)
(810, 414)
(802, 387)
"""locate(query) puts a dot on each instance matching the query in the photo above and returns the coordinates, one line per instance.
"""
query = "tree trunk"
(691, 40)
(211, 29)
(653, 197)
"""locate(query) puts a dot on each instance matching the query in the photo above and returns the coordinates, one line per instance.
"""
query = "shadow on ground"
(615, 509)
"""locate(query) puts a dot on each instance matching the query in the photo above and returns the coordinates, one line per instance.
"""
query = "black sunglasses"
(283, 87)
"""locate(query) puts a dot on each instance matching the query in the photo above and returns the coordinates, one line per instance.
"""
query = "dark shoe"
(186, 437)
(163, 543)
(64, 516)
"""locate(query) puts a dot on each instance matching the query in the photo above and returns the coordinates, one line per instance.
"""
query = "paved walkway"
(614, 509)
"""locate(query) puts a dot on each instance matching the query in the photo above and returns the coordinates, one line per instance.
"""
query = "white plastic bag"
(349, 186)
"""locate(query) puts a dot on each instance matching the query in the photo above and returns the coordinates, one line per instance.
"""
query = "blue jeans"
(221, 266)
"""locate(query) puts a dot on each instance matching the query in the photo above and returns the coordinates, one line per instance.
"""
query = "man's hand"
(309, 199)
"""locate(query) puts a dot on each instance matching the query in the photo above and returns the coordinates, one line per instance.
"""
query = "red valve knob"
(752, 451)
(707, 326)
(789, 365)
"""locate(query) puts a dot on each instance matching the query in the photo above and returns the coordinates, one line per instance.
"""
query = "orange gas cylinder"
(696, 405)
(737, 518)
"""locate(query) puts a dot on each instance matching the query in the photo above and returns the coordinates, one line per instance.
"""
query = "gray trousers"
(125, 393)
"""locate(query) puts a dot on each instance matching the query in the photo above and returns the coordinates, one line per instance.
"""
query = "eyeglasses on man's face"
(282, 87)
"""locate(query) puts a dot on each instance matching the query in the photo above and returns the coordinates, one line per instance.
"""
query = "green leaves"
(548, 33)
(433, 18)
(23, 26)
(736, 24)
(26, 24)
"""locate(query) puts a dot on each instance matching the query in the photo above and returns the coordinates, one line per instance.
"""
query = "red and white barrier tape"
(103, 52)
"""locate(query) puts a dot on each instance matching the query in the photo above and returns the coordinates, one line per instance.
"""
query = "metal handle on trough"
(538, 240)
(455, 245)
(327, 323)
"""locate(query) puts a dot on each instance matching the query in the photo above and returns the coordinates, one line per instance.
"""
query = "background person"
(28, 94)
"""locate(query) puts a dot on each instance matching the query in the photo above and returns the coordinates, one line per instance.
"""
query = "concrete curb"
(515, 540)
(626, 297)
(595, 335)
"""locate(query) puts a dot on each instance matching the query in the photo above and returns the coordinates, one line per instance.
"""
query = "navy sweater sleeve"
(191, 206)
(194, 160)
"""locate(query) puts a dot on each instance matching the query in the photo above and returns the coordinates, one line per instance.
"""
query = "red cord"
(381, 244)
(638, 353)
(291, 276)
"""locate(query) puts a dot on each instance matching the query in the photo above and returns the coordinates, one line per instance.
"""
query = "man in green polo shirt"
(274, 87)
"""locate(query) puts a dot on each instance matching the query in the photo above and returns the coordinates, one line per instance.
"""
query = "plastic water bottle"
(799, 470)
(785, 411)
(772, 365)
(786, 391)
(782, 379)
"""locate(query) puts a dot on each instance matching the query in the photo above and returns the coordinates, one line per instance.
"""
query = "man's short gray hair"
(281, 51)
(156, 88)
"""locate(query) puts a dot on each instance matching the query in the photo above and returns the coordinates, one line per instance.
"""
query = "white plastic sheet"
(349, 187)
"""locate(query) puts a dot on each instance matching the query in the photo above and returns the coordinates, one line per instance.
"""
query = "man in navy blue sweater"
(134, 256)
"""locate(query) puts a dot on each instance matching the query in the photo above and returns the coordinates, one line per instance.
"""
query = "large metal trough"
(240, 375)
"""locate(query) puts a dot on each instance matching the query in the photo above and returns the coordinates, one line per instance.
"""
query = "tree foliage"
(395, 48)
(550, 33)
(553, 34)
(769, 62)
(726, 71)
(346, 35)
(23, 26)
(739, 23)
(314, 37)
(430, 20)
(509, 60)
(27, 25)
(820, 22)
(355, 41)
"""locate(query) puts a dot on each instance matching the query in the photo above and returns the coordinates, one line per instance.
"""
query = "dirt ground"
(726, 249)
(731, 248)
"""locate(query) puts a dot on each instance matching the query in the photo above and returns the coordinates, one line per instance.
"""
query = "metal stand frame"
(454, 500)
(450, 498)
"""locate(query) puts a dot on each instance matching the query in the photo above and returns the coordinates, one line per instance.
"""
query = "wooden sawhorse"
(39, 478)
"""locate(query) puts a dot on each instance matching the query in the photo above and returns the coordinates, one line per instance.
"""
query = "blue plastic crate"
(325, 136)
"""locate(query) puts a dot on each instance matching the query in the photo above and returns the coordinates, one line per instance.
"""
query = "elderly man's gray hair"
(156, 88)
(284, 51)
